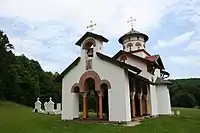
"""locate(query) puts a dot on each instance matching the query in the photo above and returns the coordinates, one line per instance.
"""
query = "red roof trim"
(152, 58)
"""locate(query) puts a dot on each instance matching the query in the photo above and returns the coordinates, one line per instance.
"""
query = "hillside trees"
(22, 80)
(185, 92)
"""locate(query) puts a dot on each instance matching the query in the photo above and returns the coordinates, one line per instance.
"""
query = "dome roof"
(133, 33)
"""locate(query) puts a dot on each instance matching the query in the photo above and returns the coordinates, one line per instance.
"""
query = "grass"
(15, 118)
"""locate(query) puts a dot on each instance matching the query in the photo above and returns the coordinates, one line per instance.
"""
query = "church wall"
(139, 65)
(70, 101)
(119, 94)
(157, 72)
(163, 98)
(153, 100)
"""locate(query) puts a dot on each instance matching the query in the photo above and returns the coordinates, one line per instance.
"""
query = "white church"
(128, 85)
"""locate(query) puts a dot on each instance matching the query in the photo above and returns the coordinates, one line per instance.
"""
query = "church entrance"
(94, 92)
(92, 99)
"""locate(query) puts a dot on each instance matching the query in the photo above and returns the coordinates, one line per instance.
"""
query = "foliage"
(22, 80)
(185, 92)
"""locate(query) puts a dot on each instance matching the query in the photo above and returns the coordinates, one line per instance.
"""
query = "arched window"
(88, 46)
(130, 46)
(138, 44)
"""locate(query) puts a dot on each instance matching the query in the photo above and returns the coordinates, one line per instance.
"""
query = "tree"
(23, 80)
(6, 57)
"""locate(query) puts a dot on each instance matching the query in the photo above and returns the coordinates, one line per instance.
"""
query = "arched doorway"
(105, 85)
(91, 91)
(94, 92)
(92, 98)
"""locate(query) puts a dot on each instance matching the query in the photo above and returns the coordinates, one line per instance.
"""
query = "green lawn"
(19, 119)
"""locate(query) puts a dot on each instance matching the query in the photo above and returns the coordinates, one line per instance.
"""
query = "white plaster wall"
(153, 100)
(157, 72)
(119, 94)
(70, 101)
(163, 98)
(140, 65)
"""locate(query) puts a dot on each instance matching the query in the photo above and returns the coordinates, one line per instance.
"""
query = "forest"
(23, 80)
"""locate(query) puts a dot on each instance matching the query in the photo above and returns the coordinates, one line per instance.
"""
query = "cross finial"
(90, 27)
(131, 21)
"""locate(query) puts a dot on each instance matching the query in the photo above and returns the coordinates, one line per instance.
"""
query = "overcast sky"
(46, 30)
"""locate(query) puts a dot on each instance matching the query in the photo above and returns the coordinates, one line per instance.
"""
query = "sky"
(46, 30)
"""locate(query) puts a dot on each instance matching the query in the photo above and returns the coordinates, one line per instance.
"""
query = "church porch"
(91, 85)
(139, 96)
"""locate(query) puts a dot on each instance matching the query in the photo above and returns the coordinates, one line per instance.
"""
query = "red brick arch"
(104, 81)
(75, 88)
(94, 76)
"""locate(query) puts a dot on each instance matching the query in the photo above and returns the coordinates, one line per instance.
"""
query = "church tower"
(90, 44)
(134, 42)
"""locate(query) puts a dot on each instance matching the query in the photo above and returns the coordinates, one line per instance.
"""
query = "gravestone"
(172, 112)
(177, 112)
(58, 108)
(50, 107)
(45, 106)
(37, 108)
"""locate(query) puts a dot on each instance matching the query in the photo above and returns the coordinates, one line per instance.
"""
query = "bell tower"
(134, 41)
(90, 43)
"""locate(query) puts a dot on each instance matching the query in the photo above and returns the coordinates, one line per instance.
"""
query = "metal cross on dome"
(91, 26)
(131, 21)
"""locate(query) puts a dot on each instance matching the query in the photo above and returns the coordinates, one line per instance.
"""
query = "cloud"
(110, 16)
(177, 40)
(47, 30)
(194, 46)
(185, 60)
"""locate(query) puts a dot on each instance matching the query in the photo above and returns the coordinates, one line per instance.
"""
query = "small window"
(151, 69)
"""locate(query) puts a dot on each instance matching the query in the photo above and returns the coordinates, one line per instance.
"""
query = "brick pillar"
(97, 105)
(140, 99)
(87, 106)
(133, 103)
(146, 104)
(84, 106)
(100, 105)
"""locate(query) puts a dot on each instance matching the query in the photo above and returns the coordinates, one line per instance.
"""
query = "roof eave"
(90, 34)
(119, 63)
(121, 39)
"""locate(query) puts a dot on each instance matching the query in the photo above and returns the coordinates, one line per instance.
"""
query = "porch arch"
(104, 81)
(75, 88)
(94, 76)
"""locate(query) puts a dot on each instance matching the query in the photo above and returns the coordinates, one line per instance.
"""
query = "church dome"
(131, 34)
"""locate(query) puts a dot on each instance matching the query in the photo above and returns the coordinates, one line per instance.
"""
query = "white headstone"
(178, 112)
(58, 109)
(58, 106)
(45, 105)
(50, 107)
(37, 108)
(172, 112)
